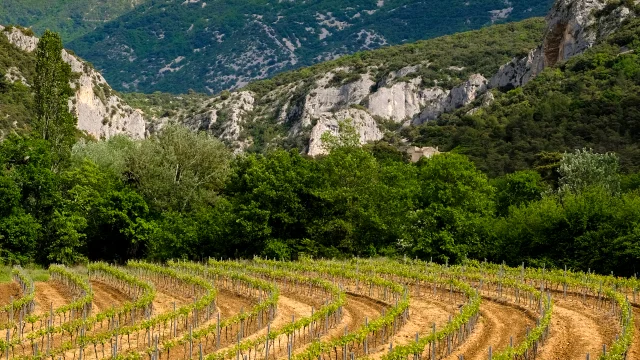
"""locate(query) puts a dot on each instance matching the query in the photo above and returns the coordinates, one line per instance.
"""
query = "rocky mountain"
(384, 90)
(209, 46)
(100, 112)
(572, 27)
(380, 90)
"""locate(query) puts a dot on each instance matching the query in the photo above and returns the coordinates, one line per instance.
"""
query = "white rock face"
(235, 109)
(322, 99)
(466, 93)
(20, 40)
(365, 125)
(519, 71)
(401, 101)
(447, 101)
(100, 112)
(572, 27)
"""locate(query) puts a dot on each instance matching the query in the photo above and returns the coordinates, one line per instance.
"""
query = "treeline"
(183, 195)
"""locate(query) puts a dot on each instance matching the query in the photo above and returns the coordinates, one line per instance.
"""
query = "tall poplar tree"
(54, 122)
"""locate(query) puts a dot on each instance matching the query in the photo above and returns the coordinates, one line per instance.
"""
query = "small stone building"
(417, 153)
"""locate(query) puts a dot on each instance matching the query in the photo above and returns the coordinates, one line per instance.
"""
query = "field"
(322, 309)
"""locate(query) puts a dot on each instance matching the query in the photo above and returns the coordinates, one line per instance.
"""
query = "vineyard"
(324, 309)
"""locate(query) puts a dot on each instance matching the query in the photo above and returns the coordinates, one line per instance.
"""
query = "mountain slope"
(100, 112)
(590, 101)
(380, 89)
(450, 92)
(71, 18)
(174, 46)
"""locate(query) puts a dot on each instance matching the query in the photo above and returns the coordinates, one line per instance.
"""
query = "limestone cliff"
(381, 101)
(101, 113)
(308, 111)
(572, 27)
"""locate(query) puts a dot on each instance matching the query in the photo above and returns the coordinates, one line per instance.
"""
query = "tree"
(454, 199)
(179, 169)
(347, 136)
(114, 216)
(584, 168)
(517, 189)
(272, 197)
(54, 122)
(110, 155)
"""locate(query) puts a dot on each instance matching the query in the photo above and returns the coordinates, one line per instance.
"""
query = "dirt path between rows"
(231, 304)
(634, 351)
(164, 302)
(8, 290)
(497, 324)
(287, 307)
(51, 292)
(577, 329)
(423, 313)
(356, 311)
(106, 296)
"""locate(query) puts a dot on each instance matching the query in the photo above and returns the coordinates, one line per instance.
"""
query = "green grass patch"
(5, 273)
(37, 273)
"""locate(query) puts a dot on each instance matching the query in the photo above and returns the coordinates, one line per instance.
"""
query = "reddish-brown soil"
(288, 306)
(577, 329)
(231, 304)
(497, 324)
(51, 293)
(106, 296)
(423, 313)
(355, 313)
(8, 290)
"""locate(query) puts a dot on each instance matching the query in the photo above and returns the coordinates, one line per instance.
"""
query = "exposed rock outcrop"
(365, 125)
(459, 96)
(308, 108)
(402, 100)
(417, 153)
(323, 99)
(100, 111)
(572, 27)
(223, 117)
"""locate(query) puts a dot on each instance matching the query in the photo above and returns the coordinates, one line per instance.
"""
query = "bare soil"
(423, 313)
(578, 329)
(356, 311)
(106, 296)
(8, 290)
(498, 323)
(51, 293)
(164, 302)
(231, 304)
(288, 307)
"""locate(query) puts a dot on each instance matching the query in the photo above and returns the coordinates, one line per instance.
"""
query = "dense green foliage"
(284, 205)
(53, 121)
(71, 18)
(226, 44)
(591, 101)
(506, 191)
(16, 99)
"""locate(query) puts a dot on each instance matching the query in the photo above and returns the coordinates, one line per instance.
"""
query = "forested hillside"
(71, 18)
(174, 46)
(590, 101)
